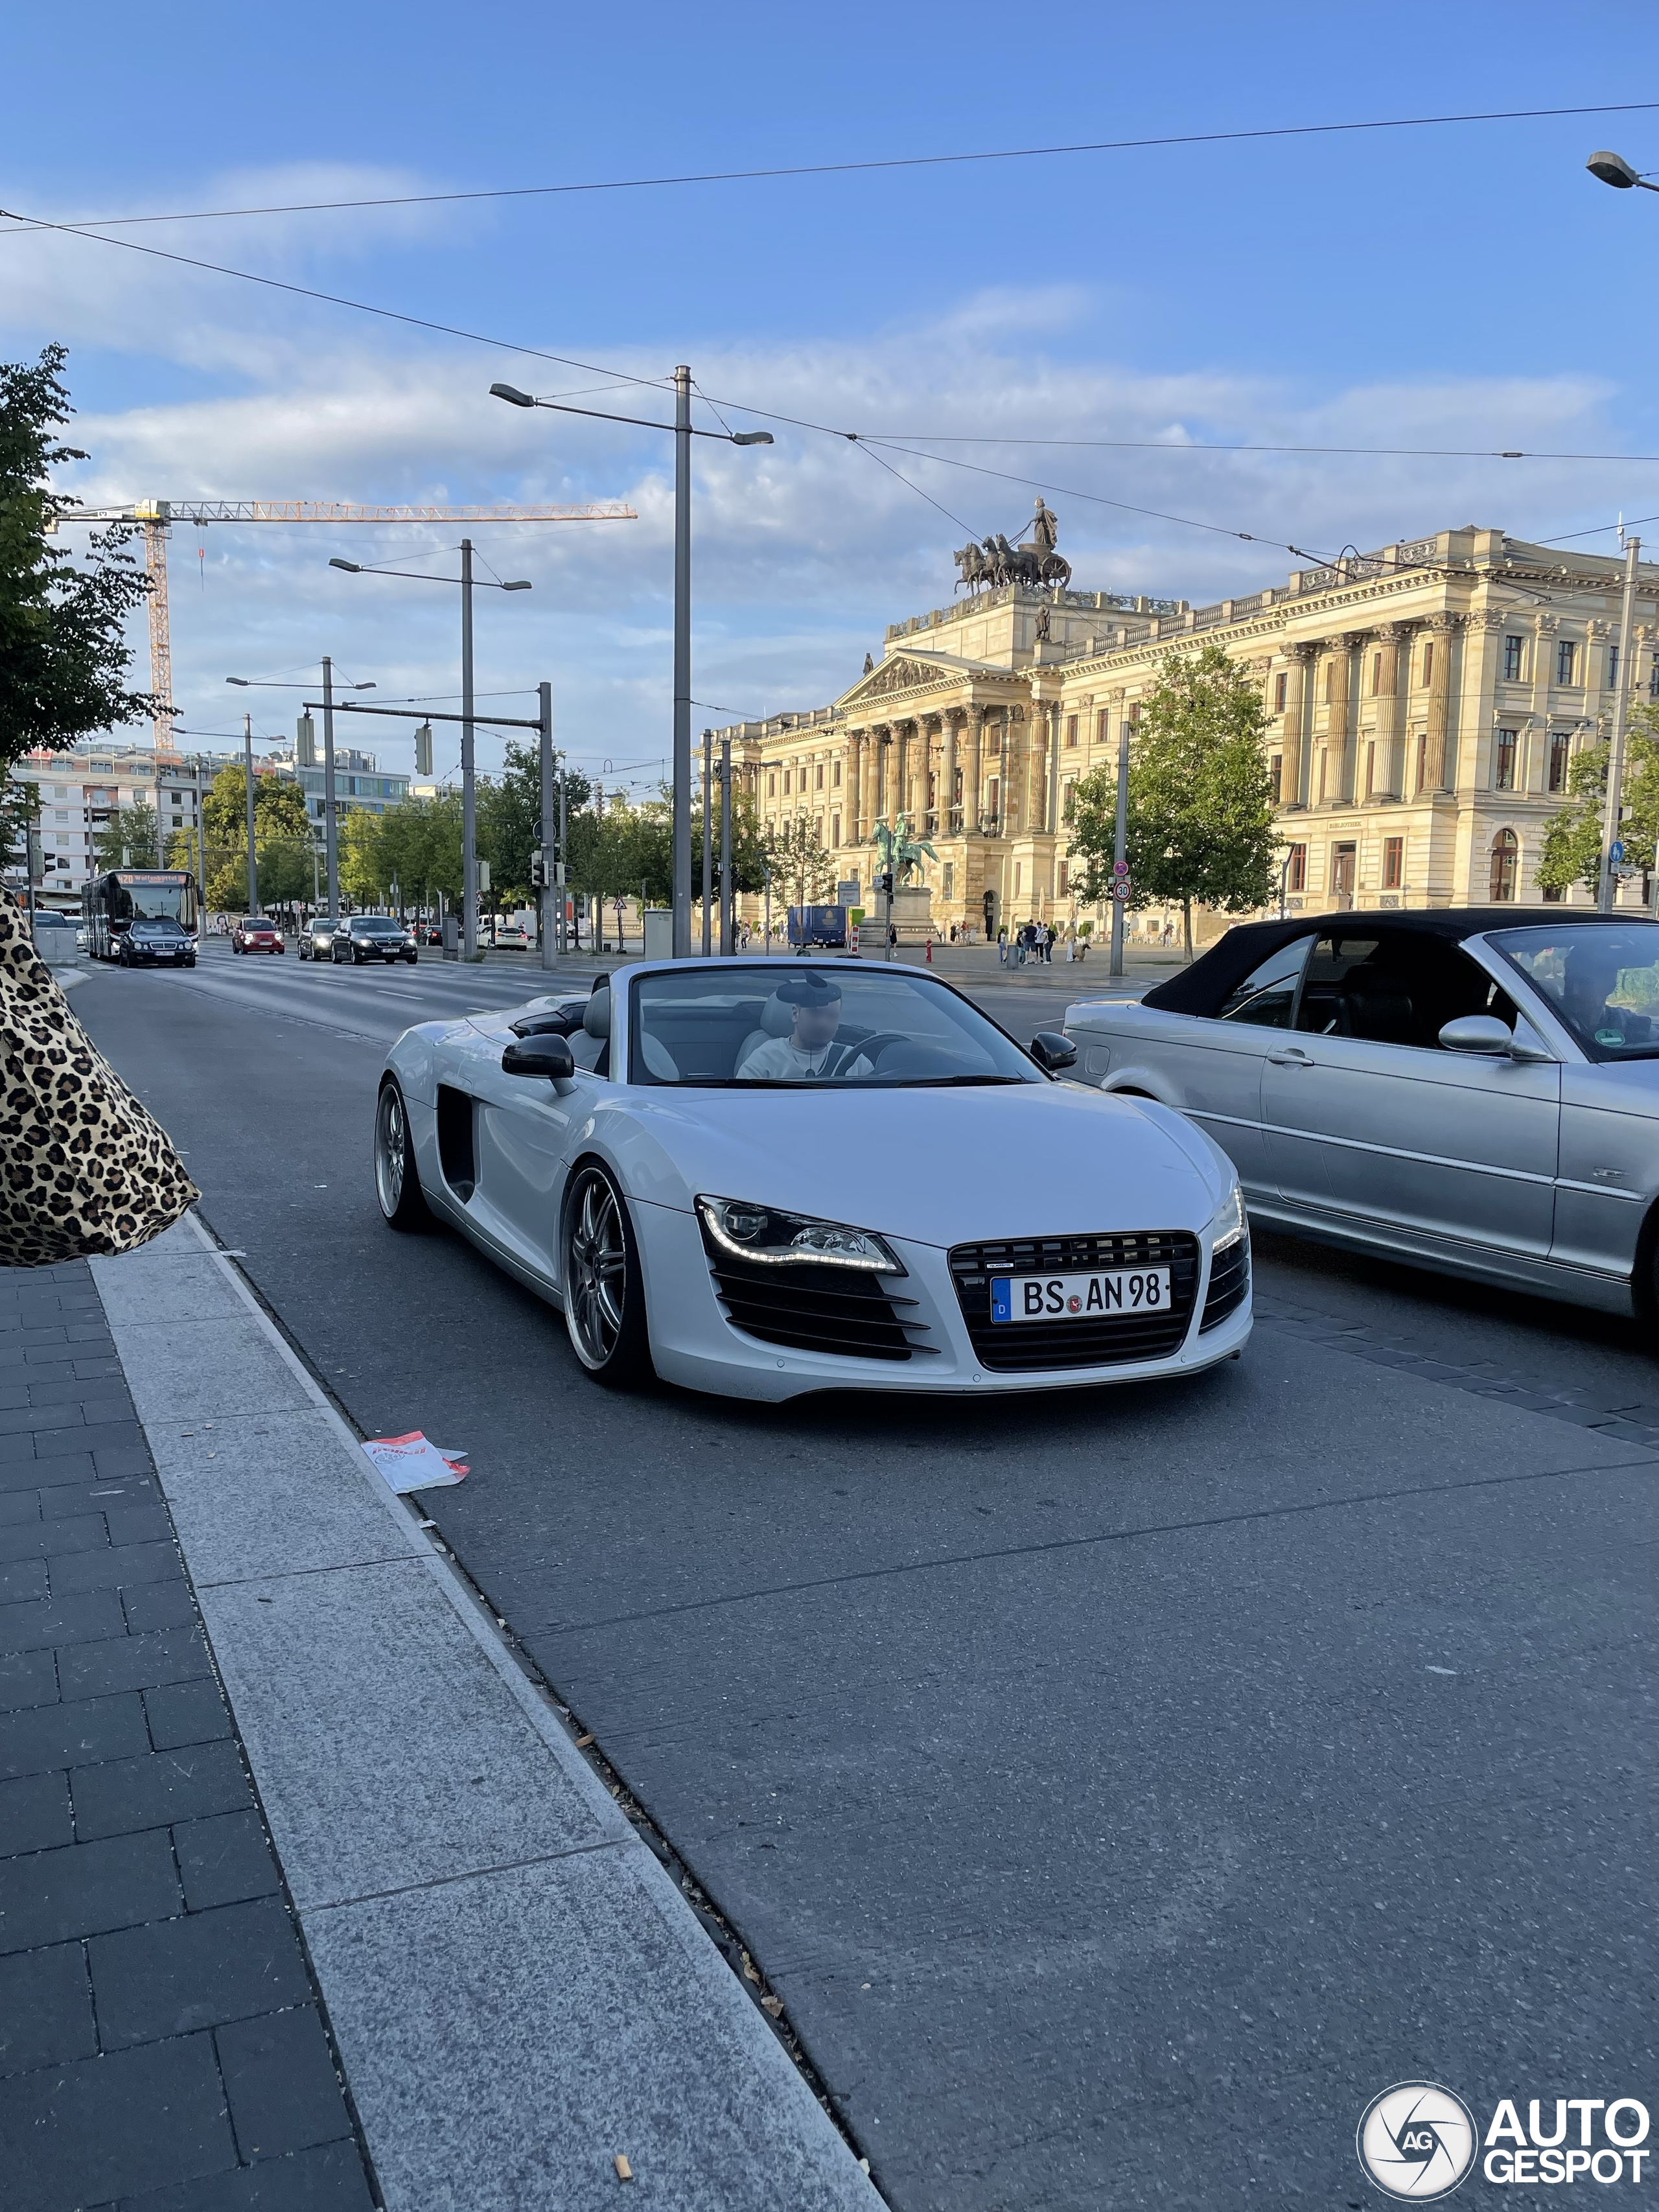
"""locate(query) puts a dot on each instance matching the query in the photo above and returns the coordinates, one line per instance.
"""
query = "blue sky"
(1456, 287)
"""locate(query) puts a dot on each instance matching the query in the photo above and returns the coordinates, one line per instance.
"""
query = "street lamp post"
(684, 433)
(708, 825)
(1607, 889)
(549, 891)
(728, 896)
(469, 780)
(1120, 840)
(253, 863)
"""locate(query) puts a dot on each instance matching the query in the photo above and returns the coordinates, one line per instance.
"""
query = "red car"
(255, 933)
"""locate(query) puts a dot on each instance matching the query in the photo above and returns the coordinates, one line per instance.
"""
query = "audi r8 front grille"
(1230, 1283)
(1013, 1347)
(817, 1308)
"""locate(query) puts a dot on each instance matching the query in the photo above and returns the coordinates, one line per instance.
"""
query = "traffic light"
(885, 883)
(423, 749)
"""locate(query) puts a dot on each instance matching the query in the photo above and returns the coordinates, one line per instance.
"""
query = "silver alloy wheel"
(390, 1150)
(596, 1278)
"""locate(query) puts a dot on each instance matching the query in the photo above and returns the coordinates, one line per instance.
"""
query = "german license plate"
(1079, 1297)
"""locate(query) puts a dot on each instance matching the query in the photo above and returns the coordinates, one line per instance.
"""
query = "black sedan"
(316, 939)
(371, 936)
(163, 943)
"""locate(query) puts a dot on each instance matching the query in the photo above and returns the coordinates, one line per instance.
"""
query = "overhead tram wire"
(90, 224)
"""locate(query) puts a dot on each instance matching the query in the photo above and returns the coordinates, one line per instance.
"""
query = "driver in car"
(810, 1052)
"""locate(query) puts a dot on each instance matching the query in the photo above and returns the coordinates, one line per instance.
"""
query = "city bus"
(111, 905)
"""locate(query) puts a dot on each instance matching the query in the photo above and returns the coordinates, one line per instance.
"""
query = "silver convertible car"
(1475, 1090)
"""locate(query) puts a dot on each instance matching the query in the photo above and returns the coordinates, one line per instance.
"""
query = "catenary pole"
(253, 863)
(727, 901)
(682, 663)
(331, 823)
(708, 841)
(469, 780)
(1609, 892)
(549, 942)
(1120, 840)
(564, 832)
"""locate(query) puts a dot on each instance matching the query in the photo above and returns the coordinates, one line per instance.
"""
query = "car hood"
(938, 1167)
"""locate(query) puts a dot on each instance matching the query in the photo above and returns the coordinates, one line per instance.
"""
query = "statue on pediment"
(1034, 561)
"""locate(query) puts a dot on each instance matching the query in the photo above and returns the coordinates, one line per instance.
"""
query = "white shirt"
(780, 1060)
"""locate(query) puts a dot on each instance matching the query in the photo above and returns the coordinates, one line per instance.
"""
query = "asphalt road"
(1121, 1788)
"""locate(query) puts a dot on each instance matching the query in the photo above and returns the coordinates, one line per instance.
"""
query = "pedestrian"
(1002, 943)
(83, 1169)
(1049, 936)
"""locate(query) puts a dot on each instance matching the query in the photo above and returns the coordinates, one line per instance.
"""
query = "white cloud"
(803, 550)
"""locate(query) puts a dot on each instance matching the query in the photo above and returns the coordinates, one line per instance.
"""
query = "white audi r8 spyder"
(761, 1178)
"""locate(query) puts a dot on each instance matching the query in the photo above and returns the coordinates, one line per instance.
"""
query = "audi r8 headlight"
(1228, 1224)
(744, 1232)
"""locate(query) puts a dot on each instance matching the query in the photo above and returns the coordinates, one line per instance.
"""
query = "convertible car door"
(519, 1135)
(1366, 1115)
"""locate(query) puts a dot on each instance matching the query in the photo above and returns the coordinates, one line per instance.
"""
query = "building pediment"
(911, 671)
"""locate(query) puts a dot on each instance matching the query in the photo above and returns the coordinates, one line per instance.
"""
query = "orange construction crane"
(157, 515)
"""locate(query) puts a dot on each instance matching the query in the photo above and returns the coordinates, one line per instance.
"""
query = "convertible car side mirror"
(548, 1057)
(1052, 1051)
(1485, 1035)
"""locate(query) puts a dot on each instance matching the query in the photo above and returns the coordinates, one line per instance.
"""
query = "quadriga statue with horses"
(1033, 561)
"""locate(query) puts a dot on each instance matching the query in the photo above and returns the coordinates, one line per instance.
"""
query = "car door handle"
(1293, 1058)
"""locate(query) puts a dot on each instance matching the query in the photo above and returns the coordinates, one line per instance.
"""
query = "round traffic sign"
(1120, 867)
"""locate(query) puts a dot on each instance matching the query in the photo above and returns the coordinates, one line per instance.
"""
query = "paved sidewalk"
(162, 2046)
(520, 1997)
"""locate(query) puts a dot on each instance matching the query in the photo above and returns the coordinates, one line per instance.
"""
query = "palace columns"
(1394, 639)
(948, 819)
(1441, 629)
(973, 809)
(901, 768)
(1297, 783)
(854, 761)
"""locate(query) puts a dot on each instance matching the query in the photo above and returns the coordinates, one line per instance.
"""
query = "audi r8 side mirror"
(548, 1057)
(1052, 1052)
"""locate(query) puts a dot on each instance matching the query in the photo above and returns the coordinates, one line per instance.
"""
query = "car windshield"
(1601, 978)
(375, 927)
(259, 921)
(157, 929)
(816, 1023)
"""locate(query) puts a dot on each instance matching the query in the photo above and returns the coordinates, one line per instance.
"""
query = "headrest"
(810, 988)
(596, 1014)
(776, 1018)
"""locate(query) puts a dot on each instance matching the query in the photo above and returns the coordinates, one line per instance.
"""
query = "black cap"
(809, 989)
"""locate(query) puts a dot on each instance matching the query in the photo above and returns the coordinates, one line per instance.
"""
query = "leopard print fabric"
(82, 1167)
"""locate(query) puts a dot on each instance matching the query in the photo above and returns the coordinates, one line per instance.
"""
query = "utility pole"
(682, 763)
(331, 839)
(253, 863)
(727, 899)
(564, 834)
(1120, 840)
(707, 841)
(1609, 892)
(468, 780)
(201, 854)
(550, 890)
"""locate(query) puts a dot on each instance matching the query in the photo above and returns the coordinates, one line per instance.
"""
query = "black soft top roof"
(1201, 988)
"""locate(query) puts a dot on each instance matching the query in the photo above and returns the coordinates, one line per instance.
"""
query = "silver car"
(1475, 1090)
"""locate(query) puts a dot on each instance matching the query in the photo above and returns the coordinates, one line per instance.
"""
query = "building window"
(1422, 759)
(1295, 876)
(1393, 863)
(835, 775)
(1330, 670)
(820, 782)
(786, 783)
(1068, 805)
(1428, 663)
(1017, 866)
(1275, 778)
(1566, 653)
(949, 882)
(835, 829)
(1134, 715)
(1324, 754)
(1100, 719)
(1503, 761)
(1070, 729)
(1653, 678)
(1514, 659)
(1281, 689)
(1370, 770)
(1376, 673)
(992, 790)
(1505, 856)
(1065, 876)
(1561, 755)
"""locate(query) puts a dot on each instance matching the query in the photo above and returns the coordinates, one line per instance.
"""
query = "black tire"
(603, 1289)
(396, 1179)
(410, 958)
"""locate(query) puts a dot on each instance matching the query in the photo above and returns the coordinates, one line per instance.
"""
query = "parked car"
(428, 932)
(1475, 1090)
(761, 1185)
(317, 938)
(256, 934)
(510, 936)
(155, 944)
(371, 936)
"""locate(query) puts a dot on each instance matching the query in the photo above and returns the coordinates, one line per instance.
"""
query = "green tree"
(1572, 851)
(128, 839)
(283, 840)
(419, 846)
(802, 870)
(510, 817)
(1201, 825)
(64, 656)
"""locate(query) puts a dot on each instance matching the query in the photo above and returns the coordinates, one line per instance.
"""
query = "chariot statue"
(1034, 561)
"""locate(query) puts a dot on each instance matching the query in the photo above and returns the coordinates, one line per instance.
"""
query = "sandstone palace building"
(1424, 702)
